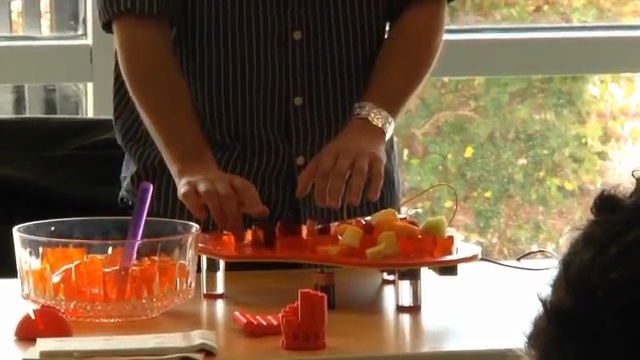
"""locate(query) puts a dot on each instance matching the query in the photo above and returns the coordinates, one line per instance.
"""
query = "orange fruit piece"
(385, 224)
(405, 230)
(411, 221)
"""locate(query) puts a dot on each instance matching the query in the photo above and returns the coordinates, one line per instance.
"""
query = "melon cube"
(351, 236)
(436, 226)
(389, 242)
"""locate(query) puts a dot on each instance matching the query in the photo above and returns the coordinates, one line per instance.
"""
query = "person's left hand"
(357, 154)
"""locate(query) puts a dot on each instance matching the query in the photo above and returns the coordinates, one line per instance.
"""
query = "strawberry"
(27, 329)
(45, 321)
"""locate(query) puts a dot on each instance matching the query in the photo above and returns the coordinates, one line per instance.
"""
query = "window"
(43, 99)
(504, 12)
(50, 45)
(527, 155)
(532, 107)
(42, 18)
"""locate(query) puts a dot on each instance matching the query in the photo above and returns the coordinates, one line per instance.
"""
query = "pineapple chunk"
(384, 216)
(436, 226)
(389, 242)
(341, 228)
(351, 236)
(375, 253)
(387, 246)
(334, 250)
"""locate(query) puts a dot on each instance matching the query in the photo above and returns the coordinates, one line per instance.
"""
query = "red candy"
(304, 322)
(44, 322)
(257, 325)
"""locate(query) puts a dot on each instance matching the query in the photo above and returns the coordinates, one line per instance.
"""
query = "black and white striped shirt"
(272, 81)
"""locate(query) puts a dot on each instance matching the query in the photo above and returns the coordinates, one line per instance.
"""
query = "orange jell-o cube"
(444, 247)
(94, 275)
(113, 259)
(60, 257)
(429, 243)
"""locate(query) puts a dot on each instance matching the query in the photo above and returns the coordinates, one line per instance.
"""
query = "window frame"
(466, 52)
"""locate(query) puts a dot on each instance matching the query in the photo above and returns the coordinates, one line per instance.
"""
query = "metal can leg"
(446, 270)
(212, 277)
(408, 290)
(388, 276)
(324, 282)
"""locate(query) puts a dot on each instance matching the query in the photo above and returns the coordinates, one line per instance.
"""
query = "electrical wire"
(546, 253)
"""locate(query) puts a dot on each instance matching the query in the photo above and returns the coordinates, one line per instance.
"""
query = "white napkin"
(168, 346)
(32, 354)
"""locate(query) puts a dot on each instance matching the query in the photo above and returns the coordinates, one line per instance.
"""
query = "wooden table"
(483, 313)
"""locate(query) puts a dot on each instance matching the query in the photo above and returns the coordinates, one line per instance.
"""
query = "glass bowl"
(76, 266)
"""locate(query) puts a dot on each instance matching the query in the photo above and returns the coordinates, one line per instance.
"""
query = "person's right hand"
(225, 196)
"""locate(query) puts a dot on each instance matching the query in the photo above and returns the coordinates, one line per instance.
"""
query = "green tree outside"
(526, 155)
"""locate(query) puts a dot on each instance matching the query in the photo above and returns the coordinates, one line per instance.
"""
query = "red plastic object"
(304, 322)
(257, 325)
(301, 250)
(44, 322)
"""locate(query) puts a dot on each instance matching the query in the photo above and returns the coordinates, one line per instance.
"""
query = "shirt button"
(297, 35)
(300, 161)
(297, 101)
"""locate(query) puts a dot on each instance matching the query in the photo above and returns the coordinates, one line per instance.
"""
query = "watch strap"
(376, 116)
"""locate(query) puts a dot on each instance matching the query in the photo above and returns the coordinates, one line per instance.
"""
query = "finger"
(323, 177)
(229, 203)
(191, 199)
(210, 198)
(337, 181)
(305, 179)
(357, 182)
(376, 177)
(250, 202)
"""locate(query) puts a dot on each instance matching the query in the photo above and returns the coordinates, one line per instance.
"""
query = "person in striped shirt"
(244, 109)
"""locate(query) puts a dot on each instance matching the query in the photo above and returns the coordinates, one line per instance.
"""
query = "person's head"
(594, 305)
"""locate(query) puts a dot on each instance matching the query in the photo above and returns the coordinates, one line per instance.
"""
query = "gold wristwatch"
(377, 116)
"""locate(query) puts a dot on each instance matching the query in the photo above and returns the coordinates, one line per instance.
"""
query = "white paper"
(147, 346)
(32, 354)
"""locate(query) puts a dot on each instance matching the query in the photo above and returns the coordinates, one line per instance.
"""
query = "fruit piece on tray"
(436, 226)
(406, 230)
(385, 220)
(386, 233)
(387, 246)
(351, 236)
(335, 250)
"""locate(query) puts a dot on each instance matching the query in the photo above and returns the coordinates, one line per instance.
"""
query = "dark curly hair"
(593, 309)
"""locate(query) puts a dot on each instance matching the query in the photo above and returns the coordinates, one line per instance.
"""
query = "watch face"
(376, 115)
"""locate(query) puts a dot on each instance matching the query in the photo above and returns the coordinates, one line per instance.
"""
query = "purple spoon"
(139, 216)
(136, 227)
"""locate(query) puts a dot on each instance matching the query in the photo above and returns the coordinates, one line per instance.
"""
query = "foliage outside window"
(527, 155)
